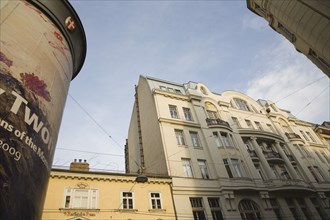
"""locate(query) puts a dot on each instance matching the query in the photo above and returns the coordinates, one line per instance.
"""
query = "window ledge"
(79, 209)
(127, 210)
(157, 210)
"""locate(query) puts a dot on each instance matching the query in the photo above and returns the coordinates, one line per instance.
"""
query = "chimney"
(79, 165)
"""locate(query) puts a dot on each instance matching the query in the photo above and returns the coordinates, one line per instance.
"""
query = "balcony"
(272, 156)
(217, 122)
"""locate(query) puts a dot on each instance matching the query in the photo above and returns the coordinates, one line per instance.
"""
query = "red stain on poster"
(39, 87)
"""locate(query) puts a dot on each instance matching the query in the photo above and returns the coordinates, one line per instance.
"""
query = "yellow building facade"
(79, 194)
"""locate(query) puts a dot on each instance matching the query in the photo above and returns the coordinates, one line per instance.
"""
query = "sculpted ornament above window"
(82, 185)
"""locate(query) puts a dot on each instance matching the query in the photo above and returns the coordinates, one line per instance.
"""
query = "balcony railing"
(217, 121)
(253, 154)
(272, 155)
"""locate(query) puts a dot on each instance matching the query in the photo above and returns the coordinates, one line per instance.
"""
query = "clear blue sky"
(219, 43)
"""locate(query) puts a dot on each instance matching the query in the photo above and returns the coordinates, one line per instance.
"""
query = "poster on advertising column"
(36, 68)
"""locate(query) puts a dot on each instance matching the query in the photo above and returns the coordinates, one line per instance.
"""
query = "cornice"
(170, 95)
(180, 122)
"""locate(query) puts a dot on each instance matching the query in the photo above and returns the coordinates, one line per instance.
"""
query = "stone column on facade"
(262, 158)
(287, 162)
(312, 208)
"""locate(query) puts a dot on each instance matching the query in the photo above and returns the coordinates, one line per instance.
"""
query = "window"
(271, 128)
(310, 136)
(236, 122)
(127, 200)
(173, 111)
(242, 105)
(249, 124)
(195, 139)
(326, 157)
(212, 114)
(316, 173)
(274, 171)
(225, 162)
(170, 89)
(215, 208)
(179, 137)
(304, 208)
(260, 172)
(178, 91)
(217, 139)
(203, 168)
(238, 168)
(284, 172)
(162, 88)
(293, 208)
(302, 150)
(223, 140)
(249, 210)
(155, 201)
(187, 171)
(258, 125)
(197, 208)
(187, 114)
(303, 133)
(319, 156)
(319, 208)
(276, 208)
(76, 198)
(226, 139)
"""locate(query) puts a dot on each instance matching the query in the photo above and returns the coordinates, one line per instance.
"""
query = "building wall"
(305, 23)
(270, 166)
(108, 202)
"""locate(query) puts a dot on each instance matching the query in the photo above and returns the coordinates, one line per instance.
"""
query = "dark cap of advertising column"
(42, 48)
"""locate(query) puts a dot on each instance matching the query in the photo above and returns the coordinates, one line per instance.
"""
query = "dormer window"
(242, 105)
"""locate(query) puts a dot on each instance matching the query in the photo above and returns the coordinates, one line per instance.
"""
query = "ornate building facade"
(229, 156)
(305, 23)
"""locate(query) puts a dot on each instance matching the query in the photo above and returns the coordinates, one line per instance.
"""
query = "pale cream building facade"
(229, 156)
(80, 194)
(305, 23)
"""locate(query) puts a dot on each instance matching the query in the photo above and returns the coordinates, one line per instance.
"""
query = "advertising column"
(42, 48)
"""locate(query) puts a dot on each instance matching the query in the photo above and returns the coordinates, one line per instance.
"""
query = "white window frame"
(203, 168)
(179, 134)
(71, 197)
(197, 206)
(155, 200)
(238, 168)
(242, 105)
(212, 114)
(174, 111)
(226, 139)
(217, 139)
(195, 139)
(127, 198)
(187, 168)
(187, 114)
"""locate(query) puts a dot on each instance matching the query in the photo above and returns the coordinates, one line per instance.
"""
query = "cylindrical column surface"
(42, 47)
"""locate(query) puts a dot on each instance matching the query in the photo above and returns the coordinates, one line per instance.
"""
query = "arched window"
(242, 105)
(211, 110)
(249, 210)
